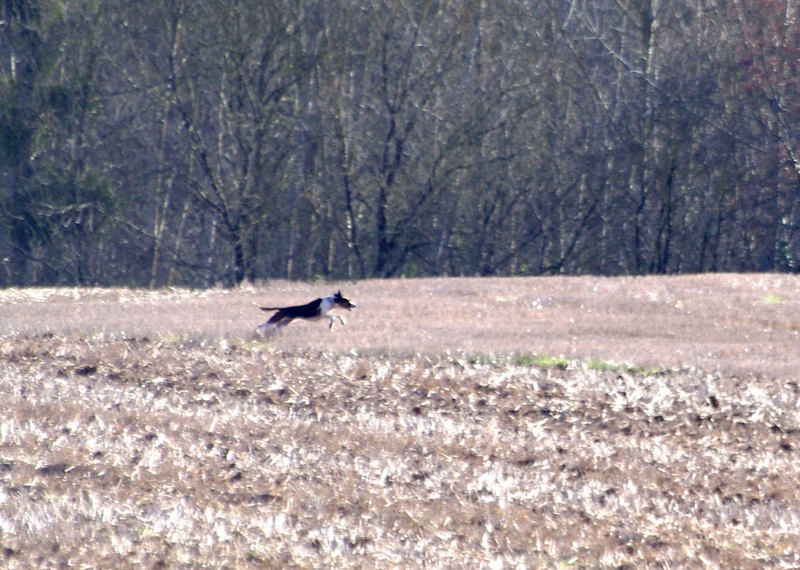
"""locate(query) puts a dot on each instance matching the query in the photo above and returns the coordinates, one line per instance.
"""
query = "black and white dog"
(316, 309)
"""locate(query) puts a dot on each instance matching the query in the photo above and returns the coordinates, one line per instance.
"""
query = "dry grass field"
(452, 423)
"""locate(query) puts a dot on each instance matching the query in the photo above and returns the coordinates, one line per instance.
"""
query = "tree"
(55, 200)
(768, 40)
(235, 116)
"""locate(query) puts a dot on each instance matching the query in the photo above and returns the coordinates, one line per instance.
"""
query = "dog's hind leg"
(267, 329)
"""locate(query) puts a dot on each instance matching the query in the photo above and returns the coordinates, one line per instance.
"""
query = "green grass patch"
(542, 361)
(611, 366)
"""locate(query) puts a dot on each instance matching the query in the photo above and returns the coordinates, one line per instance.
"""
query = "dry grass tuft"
(498, 423)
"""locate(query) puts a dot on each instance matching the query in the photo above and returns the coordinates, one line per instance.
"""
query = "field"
(451, 423)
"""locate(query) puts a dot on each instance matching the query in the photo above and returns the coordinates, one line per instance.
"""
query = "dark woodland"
(203, 143)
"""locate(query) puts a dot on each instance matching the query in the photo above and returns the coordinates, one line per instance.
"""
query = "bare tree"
(236, 115)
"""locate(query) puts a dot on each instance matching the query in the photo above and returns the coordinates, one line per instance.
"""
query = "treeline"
(198, 142)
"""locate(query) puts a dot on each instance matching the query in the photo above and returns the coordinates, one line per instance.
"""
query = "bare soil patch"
(499, 423)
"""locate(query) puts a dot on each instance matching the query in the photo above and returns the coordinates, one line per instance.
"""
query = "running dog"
(316, 309)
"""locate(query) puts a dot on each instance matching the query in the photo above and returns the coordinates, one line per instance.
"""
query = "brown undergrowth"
(499, 423)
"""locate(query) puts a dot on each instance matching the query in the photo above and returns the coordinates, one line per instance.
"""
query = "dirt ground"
(499, 423)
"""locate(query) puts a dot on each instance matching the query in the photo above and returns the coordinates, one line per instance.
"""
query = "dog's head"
(342, 301)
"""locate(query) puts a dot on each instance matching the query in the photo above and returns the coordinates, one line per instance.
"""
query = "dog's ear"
(338, 293)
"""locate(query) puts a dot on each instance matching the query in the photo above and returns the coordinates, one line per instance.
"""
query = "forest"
(198, 143)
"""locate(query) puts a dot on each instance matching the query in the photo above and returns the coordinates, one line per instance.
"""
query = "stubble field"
(452, 423)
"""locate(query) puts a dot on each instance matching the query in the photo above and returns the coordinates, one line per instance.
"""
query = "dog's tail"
(267, 308)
